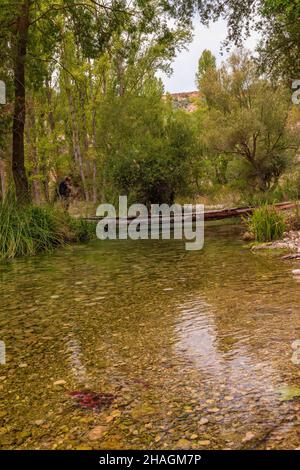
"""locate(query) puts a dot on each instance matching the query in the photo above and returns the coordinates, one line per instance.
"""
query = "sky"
(186, 62)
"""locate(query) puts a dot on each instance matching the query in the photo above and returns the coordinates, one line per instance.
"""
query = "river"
(188, 349)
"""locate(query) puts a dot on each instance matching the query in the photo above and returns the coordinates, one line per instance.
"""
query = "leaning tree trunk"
(18, 160)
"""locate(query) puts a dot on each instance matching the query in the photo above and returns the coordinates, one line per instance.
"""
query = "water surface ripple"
(194, 346)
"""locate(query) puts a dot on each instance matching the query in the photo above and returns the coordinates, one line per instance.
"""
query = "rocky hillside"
(186, 100)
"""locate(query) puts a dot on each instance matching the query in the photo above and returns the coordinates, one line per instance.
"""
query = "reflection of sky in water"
(197, 336)
(237, 368)
(75, 359)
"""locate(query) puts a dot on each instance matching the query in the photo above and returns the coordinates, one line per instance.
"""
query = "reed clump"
(28, 230)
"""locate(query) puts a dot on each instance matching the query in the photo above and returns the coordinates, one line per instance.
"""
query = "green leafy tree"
(31, 37)
(146, 146)
(248, 119)
(206, 62)
(280, 47)
(277, 22)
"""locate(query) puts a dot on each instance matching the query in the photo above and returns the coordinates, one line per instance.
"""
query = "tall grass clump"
(82, 229)
(266, 224)
(28, 230)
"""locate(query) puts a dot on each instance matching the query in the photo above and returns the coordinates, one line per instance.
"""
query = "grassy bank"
(267, 224)
(28, 230)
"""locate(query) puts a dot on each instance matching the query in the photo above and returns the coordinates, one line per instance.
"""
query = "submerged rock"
(248, 437)
(203, 421)
(204, 443)
(183, 444)
(59, 383)
(289, 392)
(96, 433)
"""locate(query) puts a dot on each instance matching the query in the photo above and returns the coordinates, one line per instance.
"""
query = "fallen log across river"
(218, 214)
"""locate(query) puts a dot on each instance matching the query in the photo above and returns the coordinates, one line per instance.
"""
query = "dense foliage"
(83, 99)
(247, 118)
(61, 56)
(276, 21)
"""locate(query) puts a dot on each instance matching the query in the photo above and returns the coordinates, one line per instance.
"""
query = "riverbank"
(268, 229)
(290, 242)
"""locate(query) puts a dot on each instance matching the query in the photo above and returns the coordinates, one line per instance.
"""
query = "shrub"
(267, 224)
(83, 230)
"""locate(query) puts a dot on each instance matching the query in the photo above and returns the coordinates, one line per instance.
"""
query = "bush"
(267, 224)
(259, 199)
(82, 229)
(28, 230)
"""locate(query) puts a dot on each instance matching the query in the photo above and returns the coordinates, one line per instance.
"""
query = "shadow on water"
(194, 346)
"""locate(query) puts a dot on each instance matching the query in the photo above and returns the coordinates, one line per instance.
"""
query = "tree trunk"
(95, 192)
(3, 178)
(85, 141)
(33, 154)
(18, 160)
(76, 144)
(46, 172)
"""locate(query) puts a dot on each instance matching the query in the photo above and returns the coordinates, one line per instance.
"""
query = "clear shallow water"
(194, 346)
